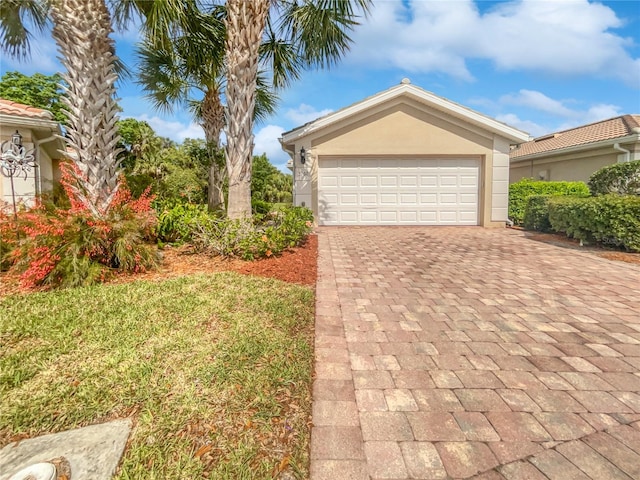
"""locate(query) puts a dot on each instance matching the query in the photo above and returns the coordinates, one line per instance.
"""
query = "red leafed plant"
(53, 246)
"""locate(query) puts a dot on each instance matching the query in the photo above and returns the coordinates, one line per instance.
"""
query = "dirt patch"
(562, 240)
(296, 265)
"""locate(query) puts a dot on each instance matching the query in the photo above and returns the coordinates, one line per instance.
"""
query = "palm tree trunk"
(81, 29)
(245, 24)
(213, 123)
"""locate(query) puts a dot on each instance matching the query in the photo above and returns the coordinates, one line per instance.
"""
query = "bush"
(620, 178)
(177, 221)
(67, 247)
(520, 191)
(610, 219)
(536, 213)
(260, 206)
(262, 236)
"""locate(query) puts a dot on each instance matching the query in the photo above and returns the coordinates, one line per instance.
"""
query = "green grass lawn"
(215, 371)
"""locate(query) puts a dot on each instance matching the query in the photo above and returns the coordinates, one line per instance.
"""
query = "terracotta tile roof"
(7, 107)
(595, 132)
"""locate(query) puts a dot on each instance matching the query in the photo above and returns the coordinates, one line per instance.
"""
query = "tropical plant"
(37, 90)
(317, 31)
(189, 56)
(68, 247)
(81, 30)
(269, 184)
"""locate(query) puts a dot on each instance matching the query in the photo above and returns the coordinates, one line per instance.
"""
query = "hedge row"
(520, 192)
(609, 219)
(621, 178)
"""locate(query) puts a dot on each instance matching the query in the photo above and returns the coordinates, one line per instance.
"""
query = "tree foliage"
(268, 183)
(37, 90)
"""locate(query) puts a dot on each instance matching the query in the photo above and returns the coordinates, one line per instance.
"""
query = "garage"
(404, 156)
(398, 191)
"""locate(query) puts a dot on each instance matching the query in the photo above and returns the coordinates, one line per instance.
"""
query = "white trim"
(422, 96)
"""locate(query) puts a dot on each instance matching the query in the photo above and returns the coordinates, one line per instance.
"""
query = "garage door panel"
(388, 181)
(368, 181)
(348, 181)
(368, 199)
(349, 199)
(408, 181)
(388, 199)
(388, 217)
(390, 191)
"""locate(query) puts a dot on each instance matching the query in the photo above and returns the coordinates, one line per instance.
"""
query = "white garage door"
(397, 191)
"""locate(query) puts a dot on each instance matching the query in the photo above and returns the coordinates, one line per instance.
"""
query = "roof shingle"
(617, 127)
(7, 107)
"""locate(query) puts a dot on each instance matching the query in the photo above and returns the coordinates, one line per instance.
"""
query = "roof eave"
(577, 148)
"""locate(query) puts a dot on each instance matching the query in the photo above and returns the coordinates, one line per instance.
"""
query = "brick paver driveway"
(463, 352)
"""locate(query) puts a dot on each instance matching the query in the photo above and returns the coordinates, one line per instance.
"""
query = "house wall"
(402, 127)
(37, 181)
(572, 167)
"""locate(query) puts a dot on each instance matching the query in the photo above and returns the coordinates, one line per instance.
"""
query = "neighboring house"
(575, 154)
(40, 133)
(403, 157)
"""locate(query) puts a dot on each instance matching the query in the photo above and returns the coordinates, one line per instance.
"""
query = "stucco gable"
(401, 127)
(411, 94)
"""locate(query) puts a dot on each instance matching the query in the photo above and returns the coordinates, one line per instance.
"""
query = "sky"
(538, 65)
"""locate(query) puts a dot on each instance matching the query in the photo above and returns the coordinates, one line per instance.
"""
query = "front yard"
(214, 370)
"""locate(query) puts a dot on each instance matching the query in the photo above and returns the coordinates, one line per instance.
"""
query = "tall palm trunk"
(245, 24)
(213, 123)
(81, 30)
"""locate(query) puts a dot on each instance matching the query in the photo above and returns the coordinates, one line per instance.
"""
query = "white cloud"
(305, 113)
(556, 37)
(174, 130)
(537, 101)
(557, 113)
(266, 140)
(528, 126)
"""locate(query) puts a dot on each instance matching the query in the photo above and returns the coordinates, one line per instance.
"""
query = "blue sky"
(539, 65)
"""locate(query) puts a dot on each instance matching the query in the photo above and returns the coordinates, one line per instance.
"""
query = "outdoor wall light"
(303, 155)
(16, 139)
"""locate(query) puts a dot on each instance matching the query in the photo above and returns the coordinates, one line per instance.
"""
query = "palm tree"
(317, 30)
(193, 59)
(81, 29)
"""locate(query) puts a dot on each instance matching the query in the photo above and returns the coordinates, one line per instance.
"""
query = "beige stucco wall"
(403, 127)
(574, 167)
(38, 180)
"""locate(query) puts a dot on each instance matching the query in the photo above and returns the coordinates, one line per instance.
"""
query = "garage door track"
(462, 352)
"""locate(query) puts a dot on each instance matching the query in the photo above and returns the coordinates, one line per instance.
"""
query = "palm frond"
(14, 15)
(266, 98)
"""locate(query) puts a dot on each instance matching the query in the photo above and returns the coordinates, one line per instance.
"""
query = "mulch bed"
(564, 241)
(296, 265)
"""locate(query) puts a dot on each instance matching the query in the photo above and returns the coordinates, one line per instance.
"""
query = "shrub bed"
(610, 219)
(69, 246)
(520, 191)
(262, 236)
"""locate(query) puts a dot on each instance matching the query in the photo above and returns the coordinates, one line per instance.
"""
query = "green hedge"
(621, 178)
(536, 213)
(520, 191)
(610, 219)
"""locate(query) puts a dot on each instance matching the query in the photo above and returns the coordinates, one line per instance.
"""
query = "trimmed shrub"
(520, 191)
(609, 219)
(262, 236)
(536, 213)
(620, 178)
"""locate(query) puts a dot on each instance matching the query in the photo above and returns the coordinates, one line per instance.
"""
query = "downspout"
(627, 153)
